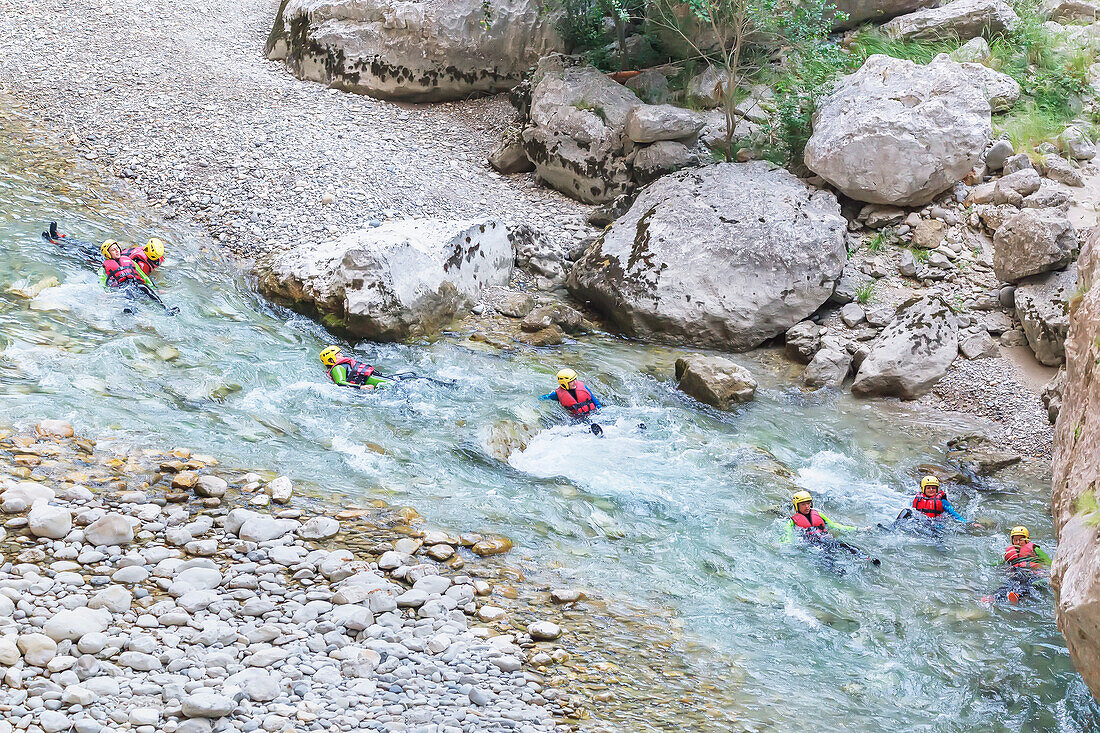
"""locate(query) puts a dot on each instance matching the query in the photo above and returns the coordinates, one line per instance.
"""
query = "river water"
(682, 518)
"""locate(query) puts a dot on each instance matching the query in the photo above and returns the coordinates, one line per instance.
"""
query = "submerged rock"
(726, 256)
(402, 279)
(411, 49)
(714, 380)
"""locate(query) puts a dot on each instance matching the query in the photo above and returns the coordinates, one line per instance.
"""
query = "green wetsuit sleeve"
(102, 277)
(1045, 558)
(145, 278)
(833, 525)
(339, 375)
(788, 533)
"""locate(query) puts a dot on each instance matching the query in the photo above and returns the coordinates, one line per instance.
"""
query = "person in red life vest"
(120, 272)
(932, 503)
(149, 257)
(812, 523)
(1025, 562)
(573, 396)
(815, 527)
(348, 372)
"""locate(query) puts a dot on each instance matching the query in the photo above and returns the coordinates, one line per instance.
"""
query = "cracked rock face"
(898, 133)
(576, 135)
(422, 51)
(725, 256)
(1042, 305)
(912, 353)
(1075, 574)
(403, 279)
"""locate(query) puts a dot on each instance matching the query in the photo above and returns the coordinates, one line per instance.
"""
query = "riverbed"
(678, 509)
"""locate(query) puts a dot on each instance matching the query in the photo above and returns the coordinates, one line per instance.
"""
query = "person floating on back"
(1025, 562)
(814, 527)
(121, 272)
(931, 503)
(575, 398)
(348, 372)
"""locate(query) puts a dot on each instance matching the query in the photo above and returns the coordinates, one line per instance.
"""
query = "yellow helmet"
(107, 244)
(566, 377)
(330, 355)
(1020, 531)
(154, 249)
(800, 498)
(929, 481)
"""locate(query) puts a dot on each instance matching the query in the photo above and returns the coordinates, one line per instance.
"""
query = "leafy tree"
(738, 35)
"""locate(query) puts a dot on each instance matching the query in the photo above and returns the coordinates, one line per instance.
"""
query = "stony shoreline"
(139, 590)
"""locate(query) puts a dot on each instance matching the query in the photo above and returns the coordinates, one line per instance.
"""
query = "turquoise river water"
(683, 517)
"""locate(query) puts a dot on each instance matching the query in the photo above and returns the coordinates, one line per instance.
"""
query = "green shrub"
(870, 41)
(865, 292)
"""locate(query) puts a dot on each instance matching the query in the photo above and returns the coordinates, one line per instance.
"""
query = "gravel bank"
(178, 97)
(132, 597)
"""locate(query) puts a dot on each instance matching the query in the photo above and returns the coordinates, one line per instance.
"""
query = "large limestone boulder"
(860, 11)
(1031, 242)
(962, 19)
(898, 133)
(576, 135)
(1042, 305)
(727, 256)
(912, 353)
(714, 380)
(1075, 574)
(413, 50)
(400, 280)
(1000, 90)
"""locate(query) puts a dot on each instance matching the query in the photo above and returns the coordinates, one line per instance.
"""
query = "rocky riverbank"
(161, 591)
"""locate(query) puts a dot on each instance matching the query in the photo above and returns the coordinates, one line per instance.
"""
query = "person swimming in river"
(148, 257)
(814, 527)
(121, 272)
(575, 398)
(931, 504)
(1024, 563)
(348, 372)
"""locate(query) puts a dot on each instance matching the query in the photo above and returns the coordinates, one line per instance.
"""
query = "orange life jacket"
(1023, 556)
(121, 271)
(812, 525)
(137, 254)
(580, 405)
(931, 506)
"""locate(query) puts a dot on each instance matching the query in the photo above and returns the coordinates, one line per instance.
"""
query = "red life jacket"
(931, 506)
(580, 405)
(812, 525)
(1023, 556)
(357, 371)
(121, 271)
(137, 254)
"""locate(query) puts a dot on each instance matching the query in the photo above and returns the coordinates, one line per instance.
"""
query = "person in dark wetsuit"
(119, 271)
(575, 398)
(1024, 562)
